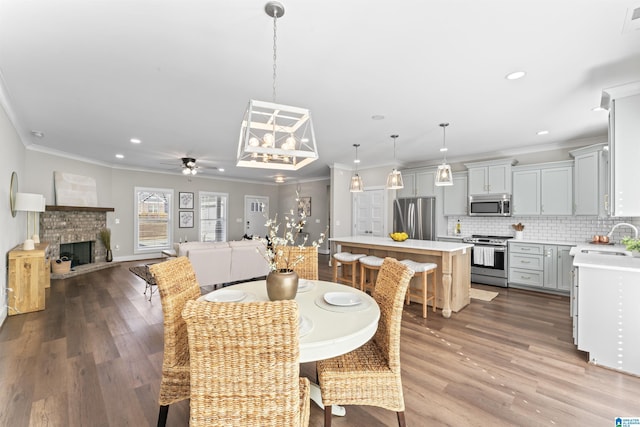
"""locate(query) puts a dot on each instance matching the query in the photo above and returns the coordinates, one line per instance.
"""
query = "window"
(213, 217)
(153, 219)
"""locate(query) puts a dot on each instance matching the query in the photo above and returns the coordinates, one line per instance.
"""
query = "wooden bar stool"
(369, 266)
(346, 258)
(423, 269)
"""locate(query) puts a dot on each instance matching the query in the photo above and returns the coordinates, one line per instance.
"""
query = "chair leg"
(424, 295)
(162, 415)
(435, 292)
(401, 421)
(327, 415)
(335, 271)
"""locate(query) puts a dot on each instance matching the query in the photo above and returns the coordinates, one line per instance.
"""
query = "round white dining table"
(326, 330)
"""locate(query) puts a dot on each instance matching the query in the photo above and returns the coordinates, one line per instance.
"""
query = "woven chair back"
(391, 287)
(305, 259)
(177, 284)
(244, 363)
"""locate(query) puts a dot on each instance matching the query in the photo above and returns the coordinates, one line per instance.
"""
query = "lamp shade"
(30, 202)
(394, 180)
(357, 186)
(444, 175)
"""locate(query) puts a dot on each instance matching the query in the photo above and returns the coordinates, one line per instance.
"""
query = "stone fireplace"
(74, 224)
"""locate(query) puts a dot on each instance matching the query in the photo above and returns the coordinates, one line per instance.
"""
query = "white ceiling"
(91, 74)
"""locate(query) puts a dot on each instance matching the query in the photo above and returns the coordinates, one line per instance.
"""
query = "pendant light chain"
(275, 55)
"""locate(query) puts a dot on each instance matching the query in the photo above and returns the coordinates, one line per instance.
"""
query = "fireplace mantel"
(78, 208)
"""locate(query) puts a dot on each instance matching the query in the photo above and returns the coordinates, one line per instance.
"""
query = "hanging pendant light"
(394, 180)
(276, 136)
(443, 174)
(357, 185)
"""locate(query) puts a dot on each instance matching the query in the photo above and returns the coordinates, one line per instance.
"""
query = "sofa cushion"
(184, 248)
(212, 265)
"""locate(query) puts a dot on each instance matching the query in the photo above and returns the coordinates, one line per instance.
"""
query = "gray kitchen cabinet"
(409, 181)
(557, 267)
(526, 192)
(492, 177)
(590, 180)
(526, 265)
(623, 103)
(455, 196)
(544, 266)
(418, 183)
(543, 189)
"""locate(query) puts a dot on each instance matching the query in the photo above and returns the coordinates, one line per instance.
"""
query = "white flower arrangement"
(280, 236)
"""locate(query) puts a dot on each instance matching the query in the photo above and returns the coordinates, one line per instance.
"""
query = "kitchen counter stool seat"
(346, 258)
(423, 270)
(369, 266)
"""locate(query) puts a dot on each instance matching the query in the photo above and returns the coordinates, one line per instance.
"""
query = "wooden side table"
(28, 278)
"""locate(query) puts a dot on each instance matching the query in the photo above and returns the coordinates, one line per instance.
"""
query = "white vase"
(519, 235)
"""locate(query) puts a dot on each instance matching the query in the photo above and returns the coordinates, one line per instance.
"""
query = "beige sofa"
(216, 263)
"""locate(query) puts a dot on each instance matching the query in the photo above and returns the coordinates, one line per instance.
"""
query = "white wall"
(14, 230)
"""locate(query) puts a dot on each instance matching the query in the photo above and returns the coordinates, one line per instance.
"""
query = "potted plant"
(105, 237)
(632, 245)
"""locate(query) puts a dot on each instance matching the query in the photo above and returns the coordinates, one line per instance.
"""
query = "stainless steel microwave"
(490, 205)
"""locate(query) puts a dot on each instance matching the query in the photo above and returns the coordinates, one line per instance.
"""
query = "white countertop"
(607, 262)
(407, 244)
(543, 242)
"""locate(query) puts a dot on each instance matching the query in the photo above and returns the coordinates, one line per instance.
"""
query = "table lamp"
(30, 202)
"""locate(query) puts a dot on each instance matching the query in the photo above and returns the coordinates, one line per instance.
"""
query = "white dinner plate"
(226, 295)
(342, 299)
(305, 285)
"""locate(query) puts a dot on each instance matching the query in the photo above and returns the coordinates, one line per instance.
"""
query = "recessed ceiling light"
(377, 117)
(279, 179)
(543, 132)
(135, 141)
(119, 156)
(598, 108)
(220, 169)
(515, 75)
(37, 134)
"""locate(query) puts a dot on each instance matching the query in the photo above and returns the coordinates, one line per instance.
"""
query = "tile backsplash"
(547, 228)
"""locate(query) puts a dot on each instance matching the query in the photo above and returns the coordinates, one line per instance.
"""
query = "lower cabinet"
(543, 266)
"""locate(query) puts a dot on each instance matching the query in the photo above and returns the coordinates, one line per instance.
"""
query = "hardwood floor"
(93, 358)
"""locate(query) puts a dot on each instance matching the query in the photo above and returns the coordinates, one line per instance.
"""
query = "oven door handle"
(495, 248)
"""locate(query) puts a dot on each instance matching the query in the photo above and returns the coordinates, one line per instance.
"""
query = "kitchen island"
(606, 308)
(453, 275)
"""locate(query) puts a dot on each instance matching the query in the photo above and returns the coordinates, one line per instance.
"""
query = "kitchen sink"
(606, 252)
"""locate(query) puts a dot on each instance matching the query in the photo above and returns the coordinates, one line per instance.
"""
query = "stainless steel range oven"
(489, 259)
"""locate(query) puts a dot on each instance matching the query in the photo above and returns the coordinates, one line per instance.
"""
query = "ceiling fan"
(189, 166)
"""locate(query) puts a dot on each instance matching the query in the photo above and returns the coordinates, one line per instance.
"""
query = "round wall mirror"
(13, 190)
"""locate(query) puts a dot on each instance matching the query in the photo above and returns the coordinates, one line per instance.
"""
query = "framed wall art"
(304, 206)
(185, 219)
(186, 200)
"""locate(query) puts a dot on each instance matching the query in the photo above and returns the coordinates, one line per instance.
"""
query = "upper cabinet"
(418, 183)
(591, 180)
(543, 189)
(492, 177)
(623, 103)
(455, 196)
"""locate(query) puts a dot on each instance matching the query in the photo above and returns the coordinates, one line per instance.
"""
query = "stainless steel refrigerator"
(416, 216)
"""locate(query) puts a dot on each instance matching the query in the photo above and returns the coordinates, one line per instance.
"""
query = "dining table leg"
(316, 396)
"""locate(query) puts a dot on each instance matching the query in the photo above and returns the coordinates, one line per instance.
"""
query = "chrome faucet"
(624, 223)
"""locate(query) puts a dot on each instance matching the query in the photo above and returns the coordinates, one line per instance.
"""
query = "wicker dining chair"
(245, 368)
(370, 375)
(177, 284)
(307, 267)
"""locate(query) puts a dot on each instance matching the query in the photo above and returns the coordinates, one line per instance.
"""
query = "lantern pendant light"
(357, 185)
(394, 180)
(443, 174)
